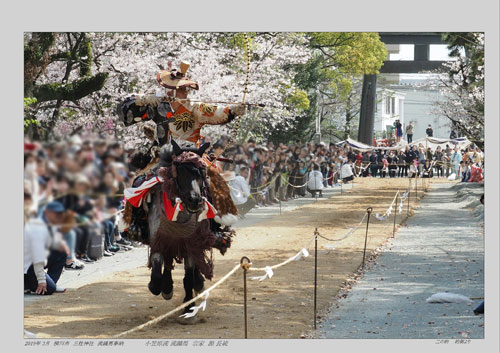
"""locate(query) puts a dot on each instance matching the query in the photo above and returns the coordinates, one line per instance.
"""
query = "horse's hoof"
(154, 289)
(167, 296)
(188, 320)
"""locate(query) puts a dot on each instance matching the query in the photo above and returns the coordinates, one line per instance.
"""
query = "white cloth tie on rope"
(302, 253)
(195, 309)
(389, 210)
(269, 273)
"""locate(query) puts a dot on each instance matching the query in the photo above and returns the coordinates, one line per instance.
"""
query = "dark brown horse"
(186, 236)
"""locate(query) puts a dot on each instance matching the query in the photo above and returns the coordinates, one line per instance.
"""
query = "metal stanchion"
(395, 213)
(369, 211)
(245, 267)
(315, 271)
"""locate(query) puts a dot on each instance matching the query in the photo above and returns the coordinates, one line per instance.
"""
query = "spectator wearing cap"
(429, 131)
(40, 236)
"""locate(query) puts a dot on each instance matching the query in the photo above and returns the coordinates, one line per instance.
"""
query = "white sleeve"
(243, 186)
(37, 242)
(39, 272)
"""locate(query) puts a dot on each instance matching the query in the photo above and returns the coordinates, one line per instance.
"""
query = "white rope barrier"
(389, 210)
(349, 232)
(298, 256)
(205, 294)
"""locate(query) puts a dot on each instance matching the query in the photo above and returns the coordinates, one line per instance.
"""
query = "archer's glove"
(238, 109)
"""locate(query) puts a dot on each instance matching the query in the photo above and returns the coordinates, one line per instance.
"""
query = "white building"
(409, 99)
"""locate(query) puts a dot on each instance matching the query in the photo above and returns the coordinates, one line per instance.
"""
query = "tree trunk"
(367, 113)
(348, 118)
(71, 91)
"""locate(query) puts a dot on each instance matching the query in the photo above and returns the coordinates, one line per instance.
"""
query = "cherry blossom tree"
(130, 62)
(463, 87)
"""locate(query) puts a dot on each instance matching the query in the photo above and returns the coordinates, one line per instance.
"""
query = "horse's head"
(189, 173)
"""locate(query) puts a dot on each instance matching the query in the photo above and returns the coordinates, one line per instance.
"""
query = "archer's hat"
(175, 79)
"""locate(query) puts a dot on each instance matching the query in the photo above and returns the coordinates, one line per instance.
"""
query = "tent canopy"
(432, 142)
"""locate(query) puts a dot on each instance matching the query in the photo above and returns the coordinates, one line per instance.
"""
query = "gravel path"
(441, 250)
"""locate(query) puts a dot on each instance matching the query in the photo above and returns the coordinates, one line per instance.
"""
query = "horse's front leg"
(190, 284)
(156, 259)
(167, 284)
(155, 284)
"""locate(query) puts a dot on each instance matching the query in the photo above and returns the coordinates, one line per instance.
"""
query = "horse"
(179, 229)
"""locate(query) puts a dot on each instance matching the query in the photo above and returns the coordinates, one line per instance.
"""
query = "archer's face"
(181, 93)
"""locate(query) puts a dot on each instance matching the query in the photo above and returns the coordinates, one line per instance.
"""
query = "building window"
(390, 106)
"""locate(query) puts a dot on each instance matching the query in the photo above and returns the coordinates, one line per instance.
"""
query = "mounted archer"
(173, 125)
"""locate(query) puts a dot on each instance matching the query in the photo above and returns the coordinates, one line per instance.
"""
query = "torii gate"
(420, 62)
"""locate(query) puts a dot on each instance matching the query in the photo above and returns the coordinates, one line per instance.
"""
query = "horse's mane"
(167, 172)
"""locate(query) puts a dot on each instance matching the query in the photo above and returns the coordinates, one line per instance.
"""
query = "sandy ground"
(280, 307)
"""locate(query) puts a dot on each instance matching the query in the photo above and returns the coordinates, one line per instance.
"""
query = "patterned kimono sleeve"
(212, 114)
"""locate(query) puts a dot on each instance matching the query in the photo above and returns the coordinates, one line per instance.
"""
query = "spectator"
(427, 170)
(413, 172)
(456, 158)
(315, 181)
(373, 164)
(409, 132)
(429, 131)
(399, 130)
(40, 235)
(392, 159)
(421, 160)
(346, 172)
(438, 160)
(240, 190)
(465, 171)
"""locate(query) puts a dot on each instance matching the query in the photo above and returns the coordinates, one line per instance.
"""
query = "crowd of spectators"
(87, 179)
(282, 172)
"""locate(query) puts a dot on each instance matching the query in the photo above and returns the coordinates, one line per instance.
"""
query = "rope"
(296, 257)
(383, 217)
(171, 312)
(351, 230)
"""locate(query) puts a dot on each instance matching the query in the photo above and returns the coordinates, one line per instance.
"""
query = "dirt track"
(280, 307)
